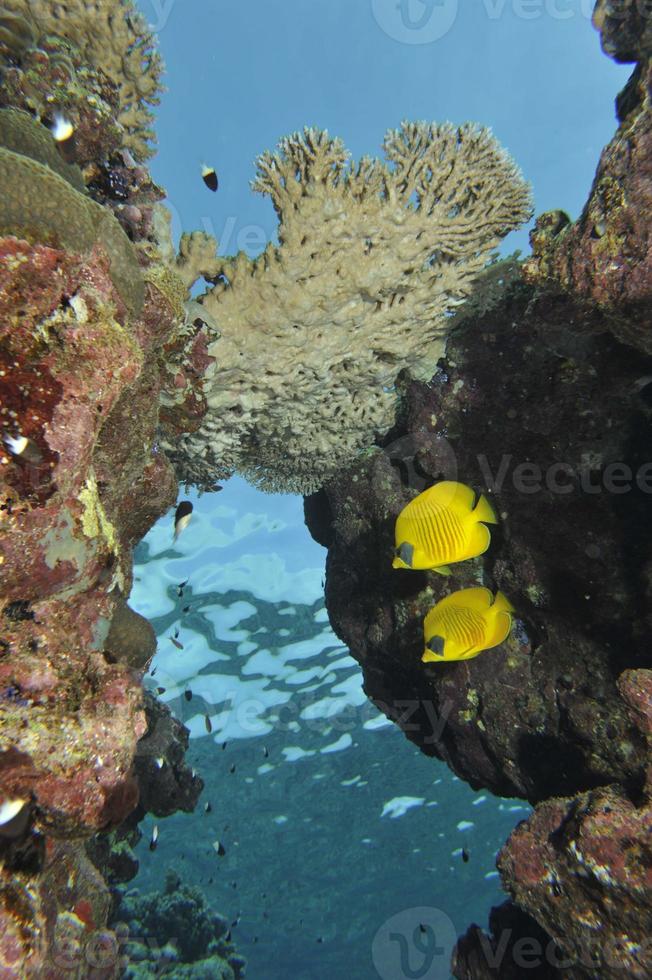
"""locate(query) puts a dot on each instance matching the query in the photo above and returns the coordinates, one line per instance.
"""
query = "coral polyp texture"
(308, 339)
(109, 35)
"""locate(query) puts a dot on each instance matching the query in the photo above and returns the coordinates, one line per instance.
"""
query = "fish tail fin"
(502, 604)
(483, 511)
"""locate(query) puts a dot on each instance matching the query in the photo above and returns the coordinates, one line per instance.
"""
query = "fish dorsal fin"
(478, 541)
(499, 630)
(501, 603)
(449, 493)
(483, 511)
(477, 598)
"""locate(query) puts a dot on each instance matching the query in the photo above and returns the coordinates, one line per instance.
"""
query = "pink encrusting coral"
(84, 312)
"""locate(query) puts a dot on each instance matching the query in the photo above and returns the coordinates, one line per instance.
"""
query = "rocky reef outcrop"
(542, 400)
(88, 299)
(174, 932)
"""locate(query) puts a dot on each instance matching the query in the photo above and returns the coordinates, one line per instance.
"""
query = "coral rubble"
(305, 343)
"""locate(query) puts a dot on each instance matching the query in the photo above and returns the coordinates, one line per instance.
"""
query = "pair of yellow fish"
(447, 524)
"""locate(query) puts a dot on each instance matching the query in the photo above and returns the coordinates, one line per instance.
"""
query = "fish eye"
(405, 552)
(436, 645)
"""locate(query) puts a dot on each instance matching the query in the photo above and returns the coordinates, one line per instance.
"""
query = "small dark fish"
(265, 752)
(232, 767)
(224, 745)
(154, 838)
(152, 672)
(178, 645)
(422, 928)
(182, 516)
(160, 690)
(185, 609)
(255, 939)
(234, 884)
(207, 807)
(176, 633)
(63, 132)
(208, 723)
(465, 855)
(187, 695)
(219, 848)
(181, 586)
(209, 177)
(320, 939)
(24, 449)
(228, 936)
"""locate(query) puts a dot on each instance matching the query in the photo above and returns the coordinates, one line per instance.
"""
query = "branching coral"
(374, 257)
(110, 35)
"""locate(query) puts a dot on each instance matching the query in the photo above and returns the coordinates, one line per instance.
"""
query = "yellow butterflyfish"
(464, 624)
(443, 524)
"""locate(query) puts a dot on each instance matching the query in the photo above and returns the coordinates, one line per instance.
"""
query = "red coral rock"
(606, 256)
(583, 868)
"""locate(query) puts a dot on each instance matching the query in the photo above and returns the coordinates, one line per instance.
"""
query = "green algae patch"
(170, 285)
(95, 522)
(60, 544)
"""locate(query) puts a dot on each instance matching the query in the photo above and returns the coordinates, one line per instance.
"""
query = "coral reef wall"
(543, 400)
(87, 300)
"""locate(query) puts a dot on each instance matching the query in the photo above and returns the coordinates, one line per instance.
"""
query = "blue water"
(333, 823)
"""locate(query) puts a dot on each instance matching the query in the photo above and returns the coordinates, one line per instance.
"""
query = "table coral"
(311, 336)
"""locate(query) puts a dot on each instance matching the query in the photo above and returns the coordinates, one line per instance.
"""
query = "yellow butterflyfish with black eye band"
(443, 524)
(464, 624)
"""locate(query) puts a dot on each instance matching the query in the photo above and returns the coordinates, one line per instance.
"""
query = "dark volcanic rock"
(542, 402)
(536, 406)
(625, 28)
(516, 947)
(605, 258)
